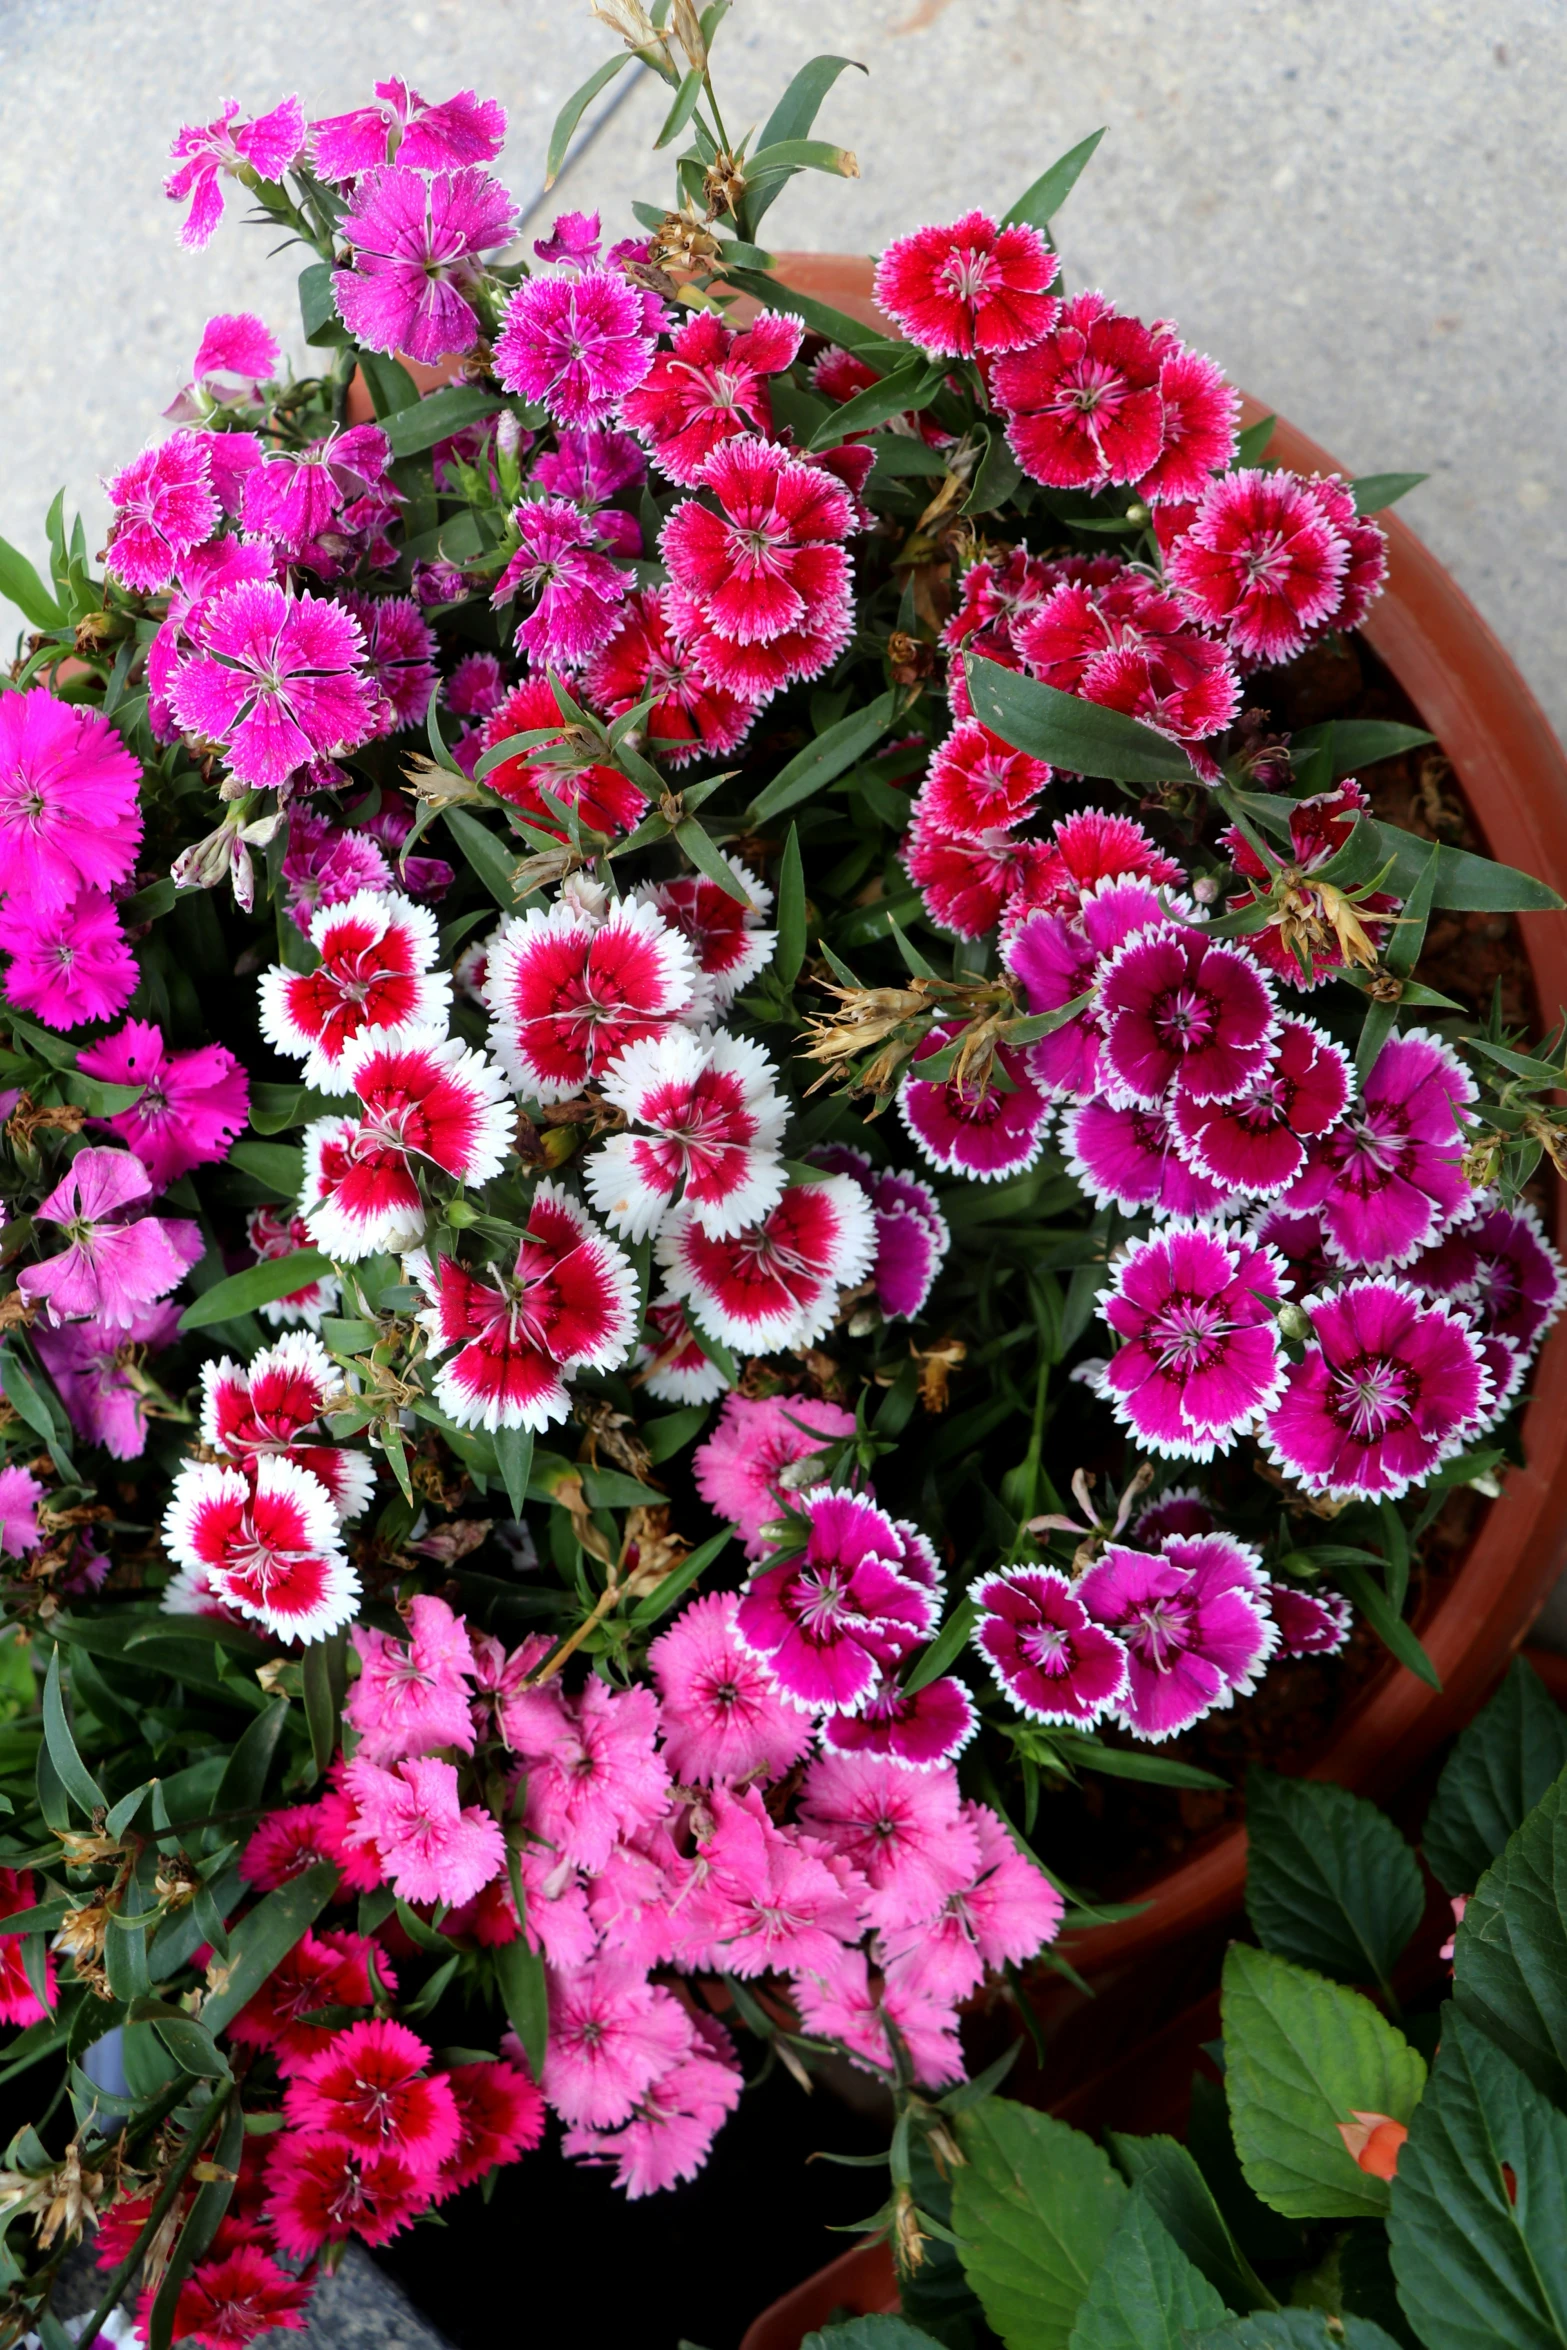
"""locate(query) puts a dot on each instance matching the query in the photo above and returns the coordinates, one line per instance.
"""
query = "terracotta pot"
(858, 2284)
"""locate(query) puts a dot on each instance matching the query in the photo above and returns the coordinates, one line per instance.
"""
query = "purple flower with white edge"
(1200, 1356)
(1179, 1509)
(919, 1729)
(265, 144)
(836, 1619)
(111, 1269)
(404, 128)
(1389, 1179)
(400, 656)
(1258, 1141)
(577, 343)
(1391, 1387)
(1195, 1624)
(912, 1238)
(277, 682)
(1048, 1655)
(294, 496)
(1295, 1236)
(415, 244)
(970, 1129)
(1056, 959)
(1501, 1269)
(1126, 1155)
(578, 592)
(1187, 1011)
(327, 863)
(163, 509)
(1311, 1623)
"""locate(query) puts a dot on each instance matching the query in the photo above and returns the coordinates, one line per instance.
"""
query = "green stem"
(113, 2290)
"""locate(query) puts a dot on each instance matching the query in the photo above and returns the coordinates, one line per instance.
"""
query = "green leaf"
(687, 98)
(484, 854)
(279, 1165)
(73, 1774)
(873, 406)
(789, 953)
(1069, 732)
(679, 1580)
(1295, 2329)
(318, 307)
(258, 1285)
(22, 1393)
(673, 1431)
(20, 585)
(1038, 205)
(1164, 2173)
(1373, 493)
(1502, 1765)
(1475, 2271)
(995, 479)
(244, 1779)
(1145, 2292)
(1353, 743)
(1252, 443)
(812, 769)
(1510, 1958)
(1465, 884)
(437, 416)
(266, 1936)
(526, 1998)
(572, 112)
(1329, 1879)
(948, 1644)
(790, 155)
(1034, 2208)
(391, 387)
(792, 118)
(192, 2047)
(514, 1451)
(325, 1676)
(1130, 1762)
(872, 2333)
(1302, 2055)
(1364, 1587)
(708, 858)
(822, 319)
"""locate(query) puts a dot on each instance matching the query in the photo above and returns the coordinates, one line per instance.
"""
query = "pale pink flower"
(844, 2007)
(236, 342)
(265, 144)
(672, 2127)
(738, 1468)
(905, 1831)
(412, 1695)
(1005, 1916)
(611, 2034)
(600, 1778)
(20, 1494)
(432, 1847)
(767, 1899)
(416, 244)
(721, 1714)
(94, 1372)
(192, 1105)
(110, 1269)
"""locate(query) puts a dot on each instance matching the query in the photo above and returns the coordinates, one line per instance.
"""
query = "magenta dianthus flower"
(919, 1731)
(265, 144)
(1200, 1354)
(415, 244)
(405, 128)
(164, 508)
(1391, 1387)
(1261, 561)
(577, 591)
(400, 656)
(739, 1467)
(69, 816)
(576, 343)
(327, 864)
(20, 1494)
(832, 1620)
(1128, 1155)
(1258, 1142)
(1082, 403)
(93, 1370)
(192, 1106)
(1501, 1269)
(1388, 1179)
(1184, 1010)
(278, 682)
(70, 964)
(1194, 1622)
(970, 287)
(709, 386)
(236, 342)
(972, 1129)
(1049, 1658)
(294, 497)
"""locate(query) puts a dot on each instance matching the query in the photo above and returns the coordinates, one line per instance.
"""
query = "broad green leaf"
(318, 307)
(523, 1990)
(280, 1165)
(1303, 2055)
(1373, 493)
(438, 416)
(265, 1937)
(1080, 736)
(1166, 2176)
(1510, 1957)
(1145, 2292)
(1353, 743)
(391, 387)
(1295, 2329)
(20, 585)
(258, 1285)
(74, 1776)
(834, 750)
(485, 854)
(873, 406)
(1329, 1879)
(790, 951)
(1038, 205)
(1475, 2270)
(871, 2333)
(572, 112)
(995, 479)
(1501, 1766)
(792, 118)
(1034, 2208)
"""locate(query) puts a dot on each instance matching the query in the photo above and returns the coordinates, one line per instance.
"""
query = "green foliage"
(1034, 2208)
(1510, 1959)
(1145, 2294)
(1498, 1770)
(1329, 1879)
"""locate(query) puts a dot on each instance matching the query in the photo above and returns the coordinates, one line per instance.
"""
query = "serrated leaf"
(258, 1285)
(833, 751)
(1082, 737)
(871, 2333)
(1034, 2208)
(1145, 2292)
(1329, 1879)
(1475, 2270)
(1302, 2055)
(1510, 1955)
(1039, 204)
(1501, 1766)
(1295, 2329)
(1165, 2174)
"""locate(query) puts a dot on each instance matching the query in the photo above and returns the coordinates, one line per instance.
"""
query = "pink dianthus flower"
(673, 2124)
(326, 864)
(1082, 403)
(20, 1494)
(600, 1777)
(709, 386)
(846, 2007)
(1261, 561)
(1194, 1622)
(722, 1716)
(738, 1467)
(264, 143)
(192, 1104)
(578, 343)
(405, 128)
(371, 2088)
(412, 1695)
(502, 2115)
(1051, 1660)
(971, 287)
(415, 244)
(277, 682)
(1388, 1178)
(767, 1899)
(577, 592)
(432, 1847)
(69, 814)
(18, 2000)
(70, 964)
(1200, 1355)
(94, 1370)
(611, 2034)
(163, 509)
(110, 1269)
(905, 1831)
(767, 571)
(323, 2191)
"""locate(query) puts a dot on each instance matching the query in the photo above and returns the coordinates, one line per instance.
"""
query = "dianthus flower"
(415, 245)
(432, 1847)
(726, 936)
(70, 964)
(1058, 960)
(405, 128)
(843, 2007)
(588, 467)
(297, 499)
(968, 883)
(1319, 827)
(20, 1494)
(374, 972)
(604, 800)
(1088, 847)
(647, 659)
(577, 592)
(721, 1714)
(1200, 1354)
(1390, 1388)
(1388, 1179)
(222, 563)
(426, 1099)
(611, 2034)
(567, 1305)
(705, 1122)
(268, 1541)
(272, 1233)
(95, 1372)
(69, 817)
(322, 2192)
(1185, 1011)
(1311, 1623)
(670, 1361)
(969, 1128)
(226, 2302)
(236, 342)
(502, 2116)
(163, 509)
(971, 287)
(918, 1730)
(707, 387)
(568, 995)
(577, 343)
(673, 2123)
(1126, 1155)
(18, 2000)
(371, 2088)
(263, 144)
(768, 571)
(412, 1696)
(300, 1837)
(1082, 404)
(400, 656)
(326, 864)
(599, 1778)
(1261, 562)
(1132, 649)
(905, 1831)
(832, 1620)
(774, 1284)
(1194, 1622)
(767, 1900)
(1049, 1658)
(111, 1269)
(1201, 414)
(192, 1105)
(1009, 1912)
(1501, 1269)
(977, 782)
(739, 1468)
(331, 1969)
(277, 682)
(1258, 1142)
(912, 1238)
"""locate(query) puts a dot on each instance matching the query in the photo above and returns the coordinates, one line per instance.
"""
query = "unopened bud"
(795, 1476)
(460, 1213)
(1293, 1322)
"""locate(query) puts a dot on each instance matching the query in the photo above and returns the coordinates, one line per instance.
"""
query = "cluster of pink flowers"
(70, 829)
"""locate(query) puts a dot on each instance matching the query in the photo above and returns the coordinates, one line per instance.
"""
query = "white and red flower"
(726, 936)
(376, 952)
(275, 1232)
(568, 994)
(267, 1542)
(426, 1100)
(775, 1284)
(705, 1124)
(567, 1305)
(670, 1362)
(274, 1405)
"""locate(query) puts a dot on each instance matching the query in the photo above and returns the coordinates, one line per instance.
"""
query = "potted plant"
(724, 932)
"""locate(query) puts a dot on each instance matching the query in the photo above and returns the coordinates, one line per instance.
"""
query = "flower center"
(1160, 1629)
(967, 274)
(1185, 1018)
(1186, 1333)
(1374, 1395)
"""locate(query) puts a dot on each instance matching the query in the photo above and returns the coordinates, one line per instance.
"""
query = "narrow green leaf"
(572, 112)
(1131, 1762)
(1365, 1589)
(1038, 205)
(792, 118)
(514, 1452)
(439, 415)
(1080, 736)
(20, 585)
(192, 2047)
(244, 1779)
(678, 1582)
(391, 387)
(485, 855)
(1252, 442)
(873, 406)
(822, 319)
(318, 307)
(523, 1990)
(704, 853)
(267, 1935)
(1501, 1767)
(322, 1697)
(1373, 493)
(789, 155)
(790, 951)
(1329, 1879)
(22, 1393)
(258, 1285)
(73, 1773)
(833, 751)
(687, 98)
(672, 1432)
(944, 1650)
